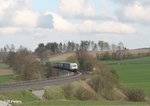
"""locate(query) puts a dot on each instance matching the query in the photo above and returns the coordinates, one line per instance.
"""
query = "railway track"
(39, 84)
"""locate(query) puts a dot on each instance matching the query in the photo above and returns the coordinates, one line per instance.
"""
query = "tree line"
(25, 63)
(29, 65)
(51, 48)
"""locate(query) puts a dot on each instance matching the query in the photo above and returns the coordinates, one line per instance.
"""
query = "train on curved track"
(70, 66)
(66, 66)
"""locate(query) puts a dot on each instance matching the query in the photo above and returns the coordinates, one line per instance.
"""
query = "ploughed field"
(133, 73)
(5, 72)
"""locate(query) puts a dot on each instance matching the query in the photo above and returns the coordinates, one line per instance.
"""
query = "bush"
(54, 92)
(68, 91)
(103, 83)
(86, 61)
(100, 84)
(104, 56)
(84, 92)
(80, 90)
(135, 94)
(114, 73)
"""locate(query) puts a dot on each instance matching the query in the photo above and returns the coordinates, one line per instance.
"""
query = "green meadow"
(3, 66)
(83, 103)
(133, 73)
(6, 78)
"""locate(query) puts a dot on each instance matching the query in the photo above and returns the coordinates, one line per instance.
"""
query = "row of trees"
(25, 64)
(118, 53)
(43, 51)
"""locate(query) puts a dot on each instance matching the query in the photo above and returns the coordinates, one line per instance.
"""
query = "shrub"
(54, 92)
(103, 83)
(135, 94)
(84, 92)
(68, 91)
(114, 73)
(104, 56)
(80, 90)
(86, 61)
(99, 83)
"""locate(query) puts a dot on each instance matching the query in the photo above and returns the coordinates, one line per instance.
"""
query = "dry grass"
(79, 91)
(61, 57)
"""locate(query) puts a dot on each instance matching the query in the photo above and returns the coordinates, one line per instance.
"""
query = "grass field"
(134, 73)
(84, 103)
(3, 66)
(6, 78)
(22, 95)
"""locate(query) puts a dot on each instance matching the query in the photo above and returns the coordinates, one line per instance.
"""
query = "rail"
(38, 84)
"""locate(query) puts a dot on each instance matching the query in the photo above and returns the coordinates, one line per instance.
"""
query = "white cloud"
(26, 18)
(106, 27)
(71, 8)
(17, 16)
(9, 30)
(89, 11)
(84, 9)
(137, 12)
(61, 24)
(117, 27)
(75, 20)
(91, 26)
(126, 2)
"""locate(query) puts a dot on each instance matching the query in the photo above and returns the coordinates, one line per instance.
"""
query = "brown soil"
(6, 72)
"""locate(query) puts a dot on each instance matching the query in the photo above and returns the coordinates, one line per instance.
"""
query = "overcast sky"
(30, 22)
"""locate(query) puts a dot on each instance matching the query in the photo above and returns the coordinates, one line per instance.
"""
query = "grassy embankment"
(56, 98)
(83, 103)
(134, 73)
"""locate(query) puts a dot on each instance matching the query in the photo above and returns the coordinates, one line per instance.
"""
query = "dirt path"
(6, 72)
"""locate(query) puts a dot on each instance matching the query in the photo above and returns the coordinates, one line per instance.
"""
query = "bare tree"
(120, 49)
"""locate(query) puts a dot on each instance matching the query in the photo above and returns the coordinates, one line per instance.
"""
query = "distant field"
(5, 69)
(64, 56)
(6, 74)
(5, 78)
(61, 57)
(134, 73)
(3, 66)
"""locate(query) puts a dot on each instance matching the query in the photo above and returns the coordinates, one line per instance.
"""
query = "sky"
(30, 22)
